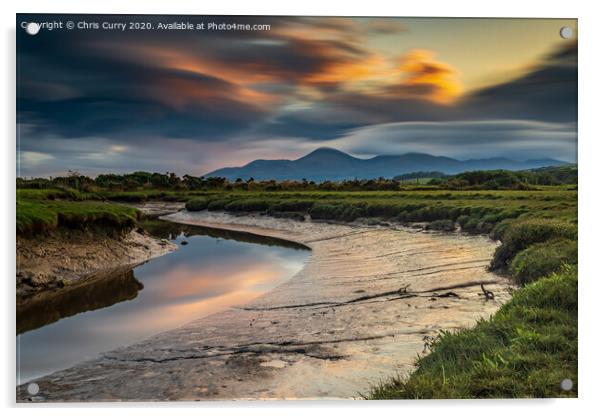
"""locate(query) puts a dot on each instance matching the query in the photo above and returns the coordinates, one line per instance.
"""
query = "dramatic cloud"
(180, 84)
(427, 78)
(547, 92)
(175, 100)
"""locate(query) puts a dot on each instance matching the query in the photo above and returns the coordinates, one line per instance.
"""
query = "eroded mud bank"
(69, 257)
(356, 314)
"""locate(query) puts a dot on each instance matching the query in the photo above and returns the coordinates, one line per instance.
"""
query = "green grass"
(41, 211)
(441, 225)
(521, 234)
(476, 211)
(34, 217)
(542, 259)
(525, 350)
(52, 194)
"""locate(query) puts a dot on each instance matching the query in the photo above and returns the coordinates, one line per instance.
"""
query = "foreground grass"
(525, 350)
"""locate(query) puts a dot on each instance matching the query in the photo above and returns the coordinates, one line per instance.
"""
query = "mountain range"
(331, 164)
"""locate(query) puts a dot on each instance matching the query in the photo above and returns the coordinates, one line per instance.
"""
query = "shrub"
(471, 225)
(297, 216)
(500, 229)
(247, 205)
(382, 210)
(340, 212)
(521, 234)
(127, 196)
(463, 219)
(292, 206)
(217, 204)
(542, 259)
(441, 225)
(197, 204)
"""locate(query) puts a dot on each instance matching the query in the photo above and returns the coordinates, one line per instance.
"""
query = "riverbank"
(65, 257)
(65, 237)
(368, 301)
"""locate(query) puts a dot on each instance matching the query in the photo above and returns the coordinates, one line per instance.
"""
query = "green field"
(524, 350)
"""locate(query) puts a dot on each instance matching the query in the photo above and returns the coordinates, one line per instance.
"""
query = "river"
(211, 271)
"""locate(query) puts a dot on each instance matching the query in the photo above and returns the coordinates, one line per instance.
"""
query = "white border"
(589, 189)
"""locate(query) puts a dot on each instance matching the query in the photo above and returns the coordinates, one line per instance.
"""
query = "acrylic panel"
(293, 207)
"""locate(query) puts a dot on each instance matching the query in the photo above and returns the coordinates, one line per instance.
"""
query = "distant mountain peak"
(321, 152)
(326, 163)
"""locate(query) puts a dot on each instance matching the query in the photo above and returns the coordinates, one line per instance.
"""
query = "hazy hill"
(331, 164)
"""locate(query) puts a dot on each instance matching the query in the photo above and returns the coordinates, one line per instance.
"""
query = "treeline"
(170, 181)
(505, 179)
(484, 179)
(420, 175)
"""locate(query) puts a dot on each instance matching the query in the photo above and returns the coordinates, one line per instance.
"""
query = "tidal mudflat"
(210, 271)
(362, 308)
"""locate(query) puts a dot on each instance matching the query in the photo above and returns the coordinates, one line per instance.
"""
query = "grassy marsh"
(524, 350)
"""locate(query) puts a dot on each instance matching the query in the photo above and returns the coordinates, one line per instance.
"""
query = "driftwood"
(487, 293)
(404, 289)
(428, 343)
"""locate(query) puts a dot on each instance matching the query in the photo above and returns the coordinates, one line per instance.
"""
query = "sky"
(189, 102)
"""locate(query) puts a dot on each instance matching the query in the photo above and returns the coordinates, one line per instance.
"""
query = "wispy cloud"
(517, 139)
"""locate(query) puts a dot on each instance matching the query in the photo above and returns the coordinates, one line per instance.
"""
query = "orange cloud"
(313, 58)
(348, 71)
(428, 78)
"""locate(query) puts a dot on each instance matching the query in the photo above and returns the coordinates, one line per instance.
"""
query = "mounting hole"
(566, 32)
(566, 384)
(33, 389)
(32, 28)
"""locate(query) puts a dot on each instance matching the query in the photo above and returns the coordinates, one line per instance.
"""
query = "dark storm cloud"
(140, 101)
(72, 88)
(286, 59)
(548, 92)
(81, 83)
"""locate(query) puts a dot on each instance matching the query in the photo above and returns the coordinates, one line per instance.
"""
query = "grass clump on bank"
(525, 350)
(42, 212)
(441, 225)
(478, 212)
(519, 235)
(542, 259)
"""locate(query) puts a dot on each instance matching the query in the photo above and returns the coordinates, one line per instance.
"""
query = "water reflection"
(213, 271)
(98, 292)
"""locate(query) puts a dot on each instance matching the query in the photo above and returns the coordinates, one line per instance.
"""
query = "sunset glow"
(305, 83)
